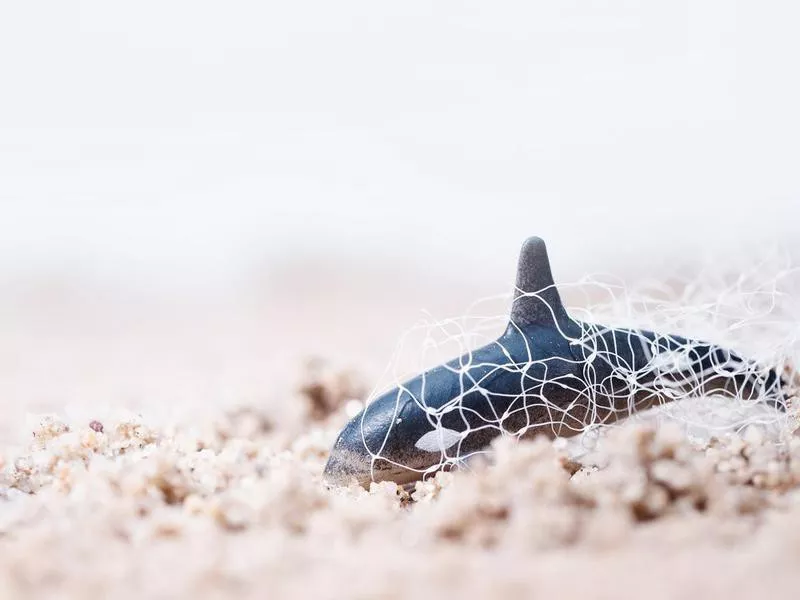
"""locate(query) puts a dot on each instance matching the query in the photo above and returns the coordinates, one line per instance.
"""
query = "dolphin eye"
(438, 440)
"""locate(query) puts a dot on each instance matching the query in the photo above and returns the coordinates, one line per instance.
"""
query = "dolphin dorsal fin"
(536, 299)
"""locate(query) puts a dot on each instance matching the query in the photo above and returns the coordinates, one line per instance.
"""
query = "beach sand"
(158, 447)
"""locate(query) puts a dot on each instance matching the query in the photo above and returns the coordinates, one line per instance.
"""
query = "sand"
(235, 507)
(171, 467)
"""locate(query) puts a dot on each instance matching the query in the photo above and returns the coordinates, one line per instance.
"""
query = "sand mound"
(236, 506)
(213, 502)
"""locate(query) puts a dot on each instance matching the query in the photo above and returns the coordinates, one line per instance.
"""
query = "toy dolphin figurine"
(547, 373)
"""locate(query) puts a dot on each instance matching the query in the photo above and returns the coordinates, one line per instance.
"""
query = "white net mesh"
(633, 352)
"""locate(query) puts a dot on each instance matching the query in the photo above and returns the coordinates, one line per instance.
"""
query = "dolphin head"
(378, 443)
(428, 423)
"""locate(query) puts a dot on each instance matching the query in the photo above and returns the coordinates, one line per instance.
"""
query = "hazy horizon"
(213, 138)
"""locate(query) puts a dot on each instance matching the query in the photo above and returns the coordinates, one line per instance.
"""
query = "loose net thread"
(754, 313)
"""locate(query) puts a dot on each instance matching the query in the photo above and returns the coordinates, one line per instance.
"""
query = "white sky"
(190, 138)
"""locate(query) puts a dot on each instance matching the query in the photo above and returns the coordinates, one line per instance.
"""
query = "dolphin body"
(547, 373)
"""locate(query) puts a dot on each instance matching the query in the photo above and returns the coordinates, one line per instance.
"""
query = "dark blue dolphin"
(547, 373)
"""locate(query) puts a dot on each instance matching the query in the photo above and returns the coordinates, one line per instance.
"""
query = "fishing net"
(739, 376)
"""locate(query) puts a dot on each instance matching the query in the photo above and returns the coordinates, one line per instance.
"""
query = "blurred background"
(196, 195)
